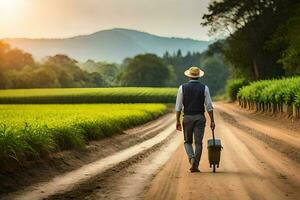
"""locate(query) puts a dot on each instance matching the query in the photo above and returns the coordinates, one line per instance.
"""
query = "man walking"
(193, 97)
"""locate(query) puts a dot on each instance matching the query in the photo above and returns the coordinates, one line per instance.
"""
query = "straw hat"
(194, 72)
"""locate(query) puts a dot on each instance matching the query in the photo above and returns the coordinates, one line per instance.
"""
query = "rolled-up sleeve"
(208, 101)
(179, 99)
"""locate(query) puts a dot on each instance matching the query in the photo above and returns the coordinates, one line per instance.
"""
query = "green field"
(89, 95)
(31, 131)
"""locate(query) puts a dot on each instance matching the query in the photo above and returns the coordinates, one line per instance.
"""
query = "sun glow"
(8, 8)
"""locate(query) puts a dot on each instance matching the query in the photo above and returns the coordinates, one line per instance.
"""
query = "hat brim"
(187, 73)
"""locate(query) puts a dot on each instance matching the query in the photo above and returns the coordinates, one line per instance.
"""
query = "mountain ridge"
(112, 45)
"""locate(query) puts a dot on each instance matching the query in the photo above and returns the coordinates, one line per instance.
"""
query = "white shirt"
(207, 101)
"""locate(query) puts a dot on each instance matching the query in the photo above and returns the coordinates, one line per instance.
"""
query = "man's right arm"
(209, 108)
(178, 108)
(212, 120)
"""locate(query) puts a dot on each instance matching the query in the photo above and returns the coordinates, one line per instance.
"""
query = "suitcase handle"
(214, 141)
(213, 133)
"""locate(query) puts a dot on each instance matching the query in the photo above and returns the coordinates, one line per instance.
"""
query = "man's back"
(193, 98)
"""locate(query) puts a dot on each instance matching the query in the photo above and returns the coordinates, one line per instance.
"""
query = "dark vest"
(193, 98)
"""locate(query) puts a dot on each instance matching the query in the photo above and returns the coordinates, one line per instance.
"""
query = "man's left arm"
(209, 108)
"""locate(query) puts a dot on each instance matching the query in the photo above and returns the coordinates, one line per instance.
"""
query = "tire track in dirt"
(249, 169)
(70, 180)
(278, 126)
(62, 162)
(131, 182)
(279, 145)
(84, 189)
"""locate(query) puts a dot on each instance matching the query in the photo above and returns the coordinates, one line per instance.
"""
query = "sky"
(66, 18)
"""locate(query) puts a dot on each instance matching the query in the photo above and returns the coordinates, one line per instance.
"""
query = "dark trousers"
(193, 128)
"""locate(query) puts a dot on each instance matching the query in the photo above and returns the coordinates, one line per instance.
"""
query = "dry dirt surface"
(260, 160)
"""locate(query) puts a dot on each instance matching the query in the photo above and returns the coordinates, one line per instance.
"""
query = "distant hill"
(108, 45)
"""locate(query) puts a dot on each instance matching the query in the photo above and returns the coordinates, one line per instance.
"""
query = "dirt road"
(254, 164)
(260, 160)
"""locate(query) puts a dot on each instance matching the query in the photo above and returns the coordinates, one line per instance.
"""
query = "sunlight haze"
(66, 18)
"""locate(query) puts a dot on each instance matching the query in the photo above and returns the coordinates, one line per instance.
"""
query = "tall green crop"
(297, 99)
(233, 86)
(275, 91)
(31, 131)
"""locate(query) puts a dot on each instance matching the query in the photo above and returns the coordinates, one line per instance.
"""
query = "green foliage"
(286, 42)
(61, 71)
(211, 61)
(272, 91)
(146, 70)
(19, 70)
(250, 25)
(13, 58)
(291, 55)
(180, 63)
(215, 67)
(233, 86)
(32, 131)
(89, 95)
(109, 71)
(297, 100)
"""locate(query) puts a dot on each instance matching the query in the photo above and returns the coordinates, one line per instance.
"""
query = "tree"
(61, 60)
(109, 71)
(69, 74)
(4, 48)
(96, 80)
(179, 54)
(250, 24)
(180, 63)
(286, 42)
(146, 70)
(212, 61)
(13, 58)
(17, 59)
(44, 78)
(216, 73)
(10, 61)
(19, 70)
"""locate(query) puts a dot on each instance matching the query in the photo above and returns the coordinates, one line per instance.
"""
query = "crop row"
(88, 95)
(32, 131)
(278, 95)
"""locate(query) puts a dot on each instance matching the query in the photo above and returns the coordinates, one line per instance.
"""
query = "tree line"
(154, 71)
(18, 69)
